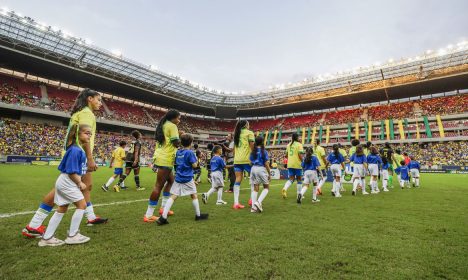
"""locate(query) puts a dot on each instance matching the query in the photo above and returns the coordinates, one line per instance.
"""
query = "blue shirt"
(414, 165)
(404, 172)
(184, 160)
(358, 159)
(74, 161)
(217, 164)
(260, 161)
(385, 165)
(312, 165)
(374, 159)
(333, 159)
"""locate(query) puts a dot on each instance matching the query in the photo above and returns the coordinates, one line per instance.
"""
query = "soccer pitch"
(403, 234)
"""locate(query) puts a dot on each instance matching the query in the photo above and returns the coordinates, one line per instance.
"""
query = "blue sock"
(152, 202)
(46, 207)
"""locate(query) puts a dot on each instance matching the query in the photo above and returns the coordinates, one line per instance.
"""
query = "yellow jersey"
(164, 154)
(352, 151)
(294, 150)
(242, 151)
(118, 155)
(85, 116)
(398, 158)
(343, 152)
(319, 152)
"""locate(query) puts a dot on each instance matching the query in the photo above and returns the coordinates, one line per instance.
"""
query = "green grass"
(404, 234)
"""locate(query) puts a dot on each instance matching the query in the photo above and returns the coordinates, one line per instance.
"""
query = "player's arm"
(111, 162)
(136, 155)
(77, 180)
(89, 119)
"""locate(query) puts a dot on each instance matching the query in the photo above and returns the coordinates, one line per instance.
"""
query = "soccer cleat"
(221, 202)
(105, 188)
(30, 232)
(315, 200)
(124, 188)
(284, 194)
(353, 193)
(338, 195)
(238, 206)
(116, 188)
(364, 192)
(204, 198)
(250, 202)
(299, 199)
(258, 207)
(385, 190)
(151, 219)
(140, 189)
(201, 217)
(77, 239)
(96, 221)
(161, 221)
(374, 192)
(170, 213)
(333, 193)
(52, 242)
(253, 210)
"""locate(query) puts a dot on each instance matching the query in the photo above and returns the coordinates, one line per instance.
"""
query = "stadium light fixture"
(428, 51)
(88, 41)
(117, 53)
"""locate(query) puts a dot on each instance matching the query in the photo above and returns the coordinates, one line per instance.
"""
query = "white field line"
(9, 215)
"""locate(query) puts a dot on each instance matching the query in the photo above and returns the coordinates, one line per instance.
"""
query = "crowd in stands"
(16, 91)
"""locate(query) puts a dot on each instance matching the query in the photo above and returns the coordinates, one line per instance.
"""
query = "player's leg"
(74, 236)
(136, 173)
(170, 201)
(48, 239)
(167, 193)
(161, 178)
(35, 228)
(289, 182)
(299, 181)
(239, 171)
(87, 179)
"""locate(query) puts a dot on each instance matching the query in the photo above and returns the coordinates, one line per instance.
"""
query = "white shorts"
(374, 169)
(217, 179)
(384, 174)
(184, 189)
(259, 175)
(310, 176)
(66, 191)
(358, 171)
(414, 172)
(336, 169)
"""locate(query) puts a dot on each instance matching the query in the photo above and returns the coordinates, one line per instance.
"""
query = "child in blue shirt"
(217, 166)
(336, 160)
(311, 167)
(403, 170)
(374, 162)
(414, 168)
(260, 174)
(184, 184)
(360, 165)
(69, 187)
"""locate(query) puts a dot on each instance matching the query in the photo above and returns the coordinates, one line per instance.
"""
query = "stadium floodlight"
(441, 52)
(117, 53)
(390, 60)
(428, 51)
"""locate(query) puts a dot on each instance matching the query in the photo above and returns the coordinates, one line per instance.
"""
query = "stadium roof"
(43, 50)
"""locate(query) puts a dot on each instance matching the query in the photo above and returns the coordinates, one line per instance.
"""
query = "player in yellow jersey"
(86, 102)
(243, 144)
(397, 162)
(167, 142)
(117, 161)
(294, 151)
(320, 153)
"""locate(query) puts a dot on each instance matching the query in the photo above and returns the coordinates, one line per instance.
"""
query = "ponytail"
(294, 138)
(309, 152)
(82, 100)
(258, 143)
(336, 150)
(239, 126)
(159, 133)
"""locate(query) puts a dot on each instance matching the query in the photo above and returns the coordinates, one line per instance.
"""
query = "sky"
(247, 45)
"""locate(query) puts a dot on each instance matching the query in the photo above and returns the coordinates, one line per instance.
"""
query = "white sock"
(220, 194)
(417, 182)
(76, 221)
(212, 190)
(110, 181)
(384, 184)
(254, 195)
(38, 218)
(337, 188)
(236, 193)
(196, 206)
(371, 182)
(53, 225)
(299, 188)
(164, 201)
(314, 193)
(123, 184)
(90, 211)
(287, 185)
(413, 180)
(303, 191)
(167, 207)
(322, 182)
(363, 185)
(355, 184)
(150, 211)
(263, 194)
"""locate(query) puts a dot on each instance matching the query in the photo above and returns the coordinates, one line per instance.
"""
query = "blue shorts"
(242, 167)
(118, 171)
(294, 172)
